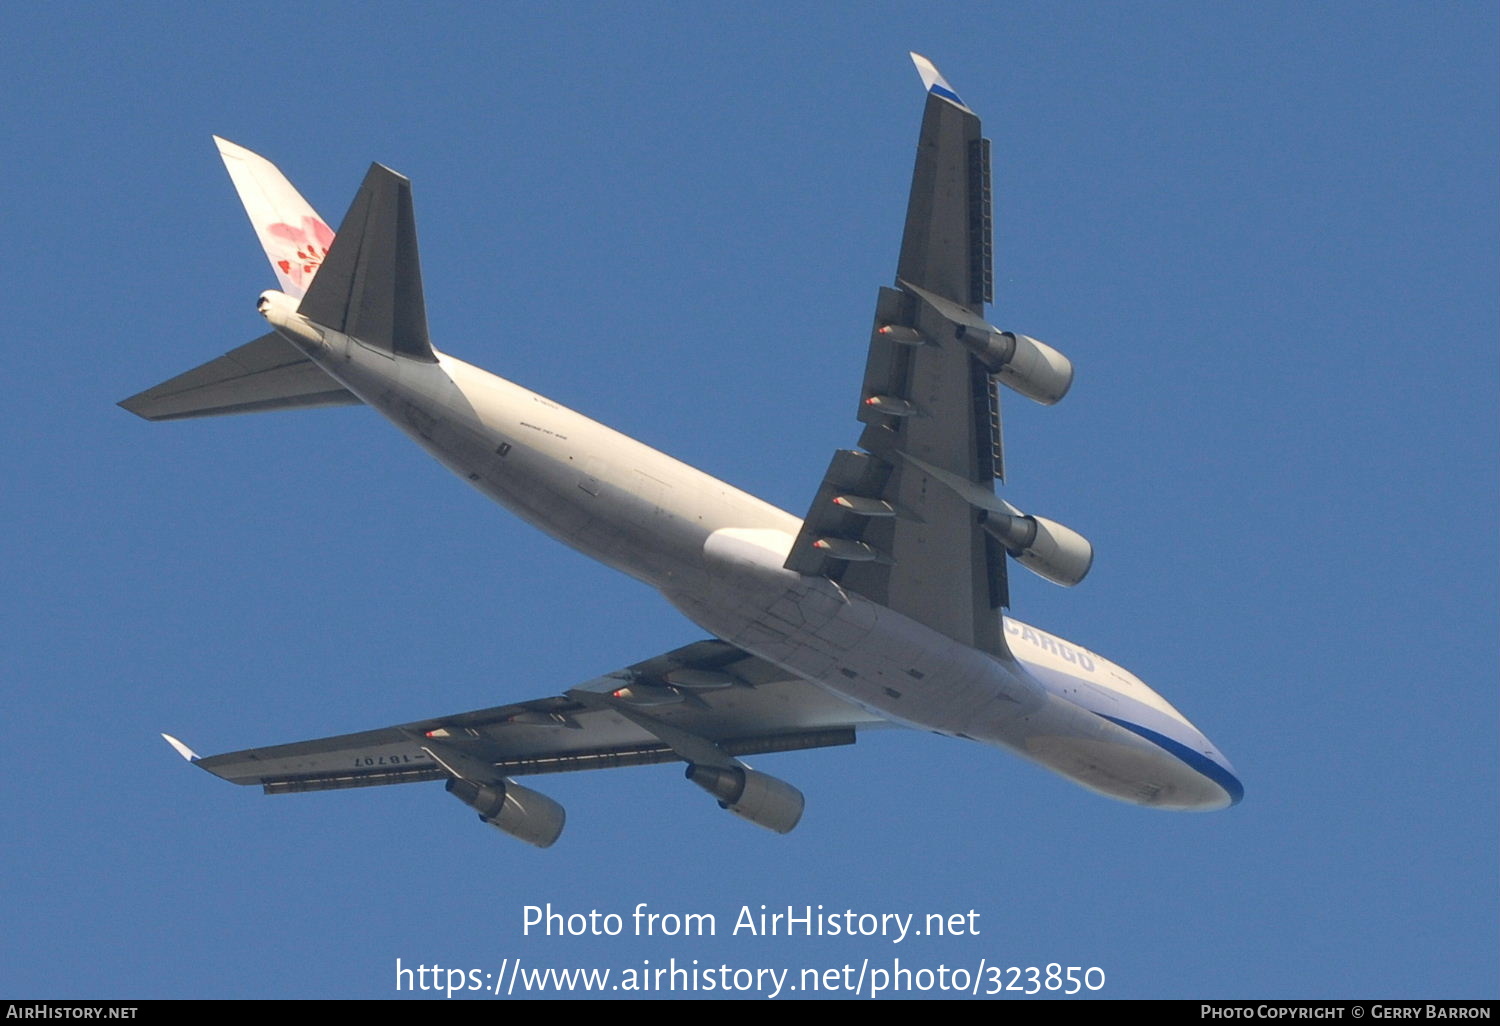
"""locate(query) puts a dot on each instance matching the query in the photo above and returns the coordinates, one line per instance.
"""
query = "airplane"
(882, 606)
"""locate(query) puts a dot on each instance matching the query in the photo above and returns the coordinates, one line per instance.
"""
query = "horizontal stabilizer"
(370, 285)
(267, 374)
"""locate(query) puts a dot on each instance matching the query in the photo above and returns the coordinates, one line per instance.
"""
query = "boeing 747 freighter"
(883, 605)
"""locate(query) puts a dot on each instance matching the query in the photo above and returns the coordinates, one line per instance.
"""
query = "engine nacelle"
(762, 799)
(518, 811)
(1045, 547)
(1020, 362)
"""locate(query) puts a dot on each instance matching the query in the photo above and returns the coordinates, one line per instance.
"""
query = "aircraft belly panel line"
(882, 607)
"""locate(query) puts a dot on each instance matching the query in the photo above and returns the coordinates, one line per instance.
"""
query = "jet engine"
(518, 811)
(758, 797)
(1020, 362)
(1045, 547)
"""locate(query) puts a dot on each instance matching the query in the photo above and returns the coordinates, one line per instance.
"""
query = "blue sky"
(1267, 236)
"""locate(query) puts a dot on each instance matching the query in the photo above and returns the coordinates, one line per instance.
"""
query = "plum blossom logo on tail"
(310, 243)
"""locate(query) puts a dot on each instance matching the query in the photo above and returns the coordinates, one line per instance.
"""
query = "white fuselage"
(717, 554)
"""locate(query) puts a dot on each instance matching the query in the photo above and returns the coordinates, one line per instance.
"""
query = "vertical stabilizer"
(295, 238)
(370, 285)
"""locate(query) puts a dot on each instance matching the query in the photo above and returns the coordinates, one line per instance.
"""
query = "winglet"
(934, 81)
(182, 749)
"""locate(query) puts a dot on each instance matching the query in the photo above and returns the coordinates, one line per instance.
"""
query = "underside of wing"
(919, 547)
(707, 704)
(911, 519)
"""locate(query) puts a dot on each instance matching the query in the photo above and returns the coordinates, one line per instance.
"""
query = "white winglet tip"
(230, 149)
(182, 749)
(933, 80)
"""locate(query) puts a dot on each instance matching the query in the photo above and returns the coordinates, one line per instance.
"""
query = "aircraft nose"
(1210, 765)
(1207, 781)
(1222, 788)
(1228, 779)
(1217, 785)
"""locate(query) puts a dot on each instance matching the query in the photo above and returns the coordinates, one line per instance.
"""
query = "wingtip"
(933, 80)
(134, 405)
(181, 749)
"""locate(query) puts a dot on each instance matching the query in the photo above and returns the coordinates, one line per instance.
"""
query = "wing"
(883, 524)
(706, 703)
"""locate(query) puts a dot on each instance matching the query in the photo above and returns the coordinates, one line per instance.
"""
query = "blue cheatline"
(948, 93)
(1197, 760)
